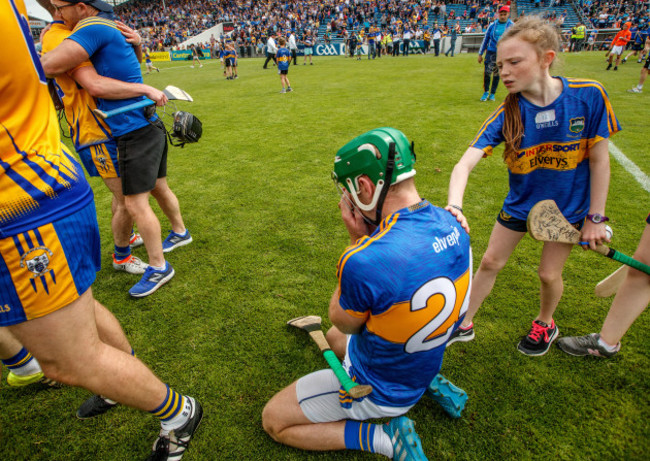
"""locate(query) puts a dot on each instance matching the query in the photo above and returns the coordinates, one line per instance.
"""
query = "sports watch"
(597, 218)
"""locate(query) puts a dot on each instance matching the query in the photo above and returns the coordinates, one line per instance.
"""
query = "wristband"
(457, 207)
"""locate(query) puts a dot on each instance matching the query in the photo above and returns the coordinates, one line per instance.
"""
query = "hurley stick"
(312, 325)
(609, 285)
(546, 223)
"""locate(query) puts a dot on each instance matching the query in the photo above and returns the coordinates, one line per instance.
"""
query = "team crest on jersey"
(36, 261)
(576, 125)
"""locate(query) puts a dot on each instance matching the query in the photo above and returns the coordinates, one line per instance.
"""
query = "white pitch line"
(630, 167)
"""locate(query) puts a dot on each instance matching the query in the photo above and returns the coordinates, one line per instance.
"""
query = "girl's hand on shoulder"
(593, 235)
(460, 217)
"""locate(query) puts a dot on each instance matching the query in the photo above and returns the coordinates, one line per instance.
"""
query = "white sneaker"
(634, 90)
(131, 265)
(191, 67)
(201, 65)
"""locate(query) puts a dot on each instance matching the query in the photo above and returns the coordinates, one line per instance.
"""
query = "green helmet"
(368, 154)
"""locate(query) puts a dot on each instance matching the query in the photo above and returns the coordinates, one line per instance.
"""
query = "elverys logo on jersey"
(576, 125)
(36, 260)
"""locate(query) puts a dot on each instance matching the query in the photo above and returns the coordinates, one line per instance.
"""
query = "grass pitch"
(257, 196)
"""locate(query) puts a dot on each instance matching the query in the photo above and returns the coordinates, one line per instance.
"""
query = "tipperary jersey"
(410, 280)
(553, 159)
(86, 129)
(112, 57)
(39, 181)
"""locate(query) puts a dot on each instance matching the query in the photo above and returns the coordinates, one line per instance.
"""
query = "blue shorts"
(47, 268)
(100, 160)
(519, 225)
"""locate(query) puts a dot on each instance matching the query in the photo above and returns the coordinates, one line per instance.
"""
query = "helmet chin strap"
(390, 167)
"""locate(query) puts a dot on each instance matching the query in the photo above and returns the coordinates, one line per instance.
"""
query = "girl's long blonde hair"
(544, 36)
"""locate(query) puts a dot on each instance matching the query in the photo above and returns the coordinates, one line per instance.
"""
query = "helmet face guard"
(384, 155)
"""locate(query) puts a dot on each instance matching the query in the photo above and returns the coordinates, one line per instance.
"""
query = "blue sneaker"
(485, 96)
(491, 97)
(175, 240)
(451, 398)
(407, 445)
(152, 280)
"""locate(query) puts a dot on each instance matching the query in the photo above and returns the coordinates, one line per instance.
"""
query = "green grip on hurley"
(338, 370)
(625, 259)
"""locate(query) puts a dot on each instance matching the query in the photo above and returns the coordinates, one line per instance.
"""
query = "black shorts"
(519, 225)
(647, 62)
(284, 72)
(230, 62)
(637, 46)
(142, 158)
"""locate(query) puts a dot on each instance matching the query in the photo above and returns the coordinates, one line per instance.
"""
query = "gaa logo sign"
(328, 50)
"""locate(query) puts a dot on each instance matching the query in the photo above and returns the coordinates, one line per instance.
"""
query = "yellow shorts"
(47, 268)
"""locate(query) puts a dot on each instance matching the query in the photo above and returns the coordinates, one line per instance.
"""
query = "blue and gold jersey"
(553, 160)
(86, 129)
(410, 281)
(112, 57)
(284, 58)
(39, 181)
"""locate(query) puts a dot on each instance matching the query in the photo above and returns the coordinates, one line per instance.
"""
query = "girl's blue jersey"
(553, 159)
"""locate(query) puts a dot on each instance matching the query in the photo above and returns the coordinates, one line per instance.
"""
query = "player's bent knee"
(270, 421)
(549, 277)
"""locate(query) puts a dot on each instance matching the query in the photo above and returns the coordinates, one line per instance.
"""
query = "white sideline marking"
(630, 167)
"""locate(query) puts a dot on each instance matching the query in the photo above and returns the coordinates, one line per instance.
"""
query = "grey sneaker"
(461, 335)
(634, 90)
(170, 446)
(585, 345)
(94, 406)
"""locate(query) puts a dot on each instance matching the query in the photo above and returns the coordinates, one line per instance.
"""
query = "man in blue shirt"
(489, 47)
(141, 140)
(403, 288)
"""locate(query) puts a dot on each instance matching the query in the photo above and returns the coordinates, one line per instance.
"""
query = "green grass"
(256, 194)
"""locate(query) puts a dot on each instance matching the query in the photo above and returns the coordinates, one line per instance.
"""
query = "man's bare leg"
(148, 226)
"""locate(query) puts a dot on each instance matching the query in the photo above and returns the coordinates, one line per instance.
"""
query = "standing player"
(141, 141)
(49, 251)
(618, 45)
(308, 42)
(94, 144)
(489, 47)
(229, 59)
(196, 55)
(630, 301)
(147, 60)
(556, 134)
(400, 295)
(284, 59)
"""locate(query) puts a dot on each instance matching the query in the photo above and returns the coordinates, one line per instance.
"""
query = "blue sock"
(21, 358)
(122, 252)
(360, 436)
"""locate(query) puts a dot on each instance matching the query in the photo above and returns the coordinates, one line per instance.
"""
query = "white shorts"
(617, 50)
(322, 400)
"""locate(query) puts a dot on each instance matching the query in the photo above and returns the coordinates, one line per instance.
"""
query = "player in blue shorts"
(555, 132)
(141, 141)
(632, 298)
(49, 250)
(403, 288)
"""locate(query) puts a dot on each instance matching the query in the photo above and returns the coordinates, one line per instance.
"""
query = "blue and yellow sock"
(367, 437)
(23, 363)
(122, 252)
(170, 411)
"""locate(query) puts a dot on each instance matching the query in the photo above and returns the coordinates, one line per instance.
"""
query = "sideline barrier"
(160, 56)
(183, 54)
